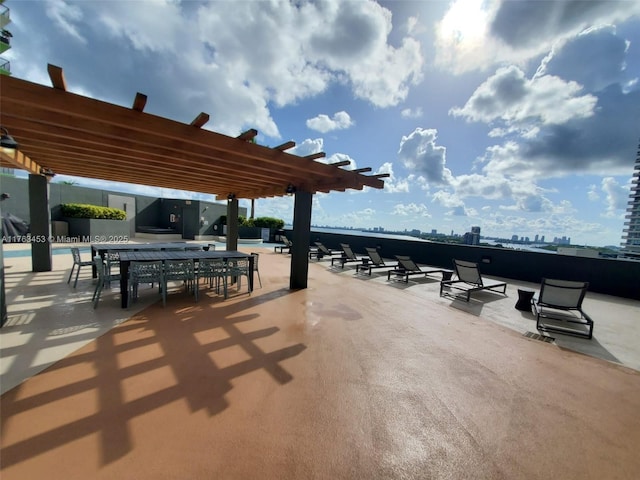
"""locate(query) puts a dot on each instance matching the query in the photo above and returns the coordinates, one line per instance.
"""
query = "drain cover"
(537, 336)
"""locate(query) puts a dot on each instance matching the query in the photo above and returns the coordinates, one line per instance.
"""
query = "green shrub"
(261, 222)
(80, 210)
(268, 222)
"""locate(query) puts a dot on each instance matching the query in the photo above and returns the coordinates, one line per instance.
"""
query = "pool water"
(26, 252)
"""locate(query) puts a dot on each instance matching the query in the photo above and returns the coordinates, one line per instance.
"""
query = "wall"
(150, 211)
(610, 276)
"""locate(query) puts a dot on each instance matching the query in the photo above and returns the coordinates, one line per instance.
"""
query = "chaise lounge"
(320, 251)
(347, 256)
(556, 308)
(469, 280)
(407, 268)
(374, 260)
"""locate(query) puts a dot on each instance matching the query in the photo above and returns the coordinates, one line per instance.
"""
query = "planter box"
(98, 230)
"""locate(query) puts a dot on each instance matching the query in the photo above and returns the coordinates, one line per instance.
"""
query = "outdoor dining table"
(102, 248)
(126, 257)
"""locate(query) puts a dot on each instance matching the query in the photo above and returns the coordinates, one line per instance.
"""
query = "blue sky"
(521, 117)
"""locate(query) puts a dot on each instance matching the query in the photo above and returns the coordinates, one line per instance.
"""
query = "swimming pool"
(26, 252)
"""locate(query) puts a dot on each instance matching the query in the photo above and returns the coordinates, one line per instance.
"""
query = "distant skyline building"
(631, 232)
(472, 237)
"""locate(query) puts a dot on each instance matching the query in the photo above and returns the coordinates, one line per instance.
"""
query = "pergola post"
(232, 223)
(301, 239)
(40, 216)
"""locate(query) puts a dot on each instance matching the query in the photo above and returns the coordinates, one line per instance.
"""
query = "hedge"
(79, 210)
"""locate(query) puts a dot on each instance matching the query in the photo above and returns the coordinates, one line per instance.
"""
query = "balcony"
(5, 18)
(5, 41)
(5, 67)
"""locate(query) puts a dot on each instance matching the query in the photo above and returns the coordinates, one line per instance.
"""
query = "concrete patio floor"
(353, 377)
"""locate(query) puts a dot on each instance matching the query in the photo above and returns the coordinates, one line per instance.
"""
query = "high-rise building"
(472, 237)
(5, 38)
(631, 232)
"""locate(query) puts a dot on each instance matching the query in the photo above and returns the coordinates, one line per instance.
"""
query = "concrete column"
(301, 239)
(40, 215)
(232, 224)
(3, 299)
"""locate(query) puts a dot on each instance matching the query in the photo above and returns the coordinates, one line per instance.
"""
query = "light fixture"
(7, 140)
(290, 190)
(231, 196)
(47, 172)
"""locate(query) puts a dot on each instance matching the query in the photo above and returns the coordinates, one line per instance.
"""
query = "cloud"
(595, 58)
(392, 184)
(322, 123)
(235, 60)
(419, 153)
(412, 113)
(413, 209)
(64, 16)
(526, 22)
(616, 197)
(512, 98)
(553, 128)
(477, 34)
(308, 147)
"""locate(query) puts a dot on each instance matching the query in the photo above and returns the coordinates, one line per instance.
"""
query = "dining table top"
(123, 247)
(155, 255)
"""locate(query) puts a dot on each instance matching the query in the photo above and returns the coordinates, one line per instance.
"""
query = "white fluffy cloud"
(412, 209)
(239, 59)
(323, 123)
(616, 196)
(419, 154)
(509, 96)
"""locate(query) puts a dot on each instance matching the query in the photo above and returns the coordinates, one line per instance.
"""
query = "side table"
(524, 300)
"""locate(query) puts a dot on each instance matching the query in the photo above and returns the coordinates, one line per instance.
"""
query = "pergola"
(59, 132)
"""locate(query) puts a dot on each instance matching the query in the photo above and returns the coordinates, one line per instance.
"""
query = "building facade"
(631, 232)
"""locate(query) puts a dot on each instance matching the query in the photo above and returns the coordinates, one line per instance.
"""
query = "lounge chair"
(407, 268)
(556, 308)
(470, 280)
(287, 244)
(320, 251)
(374, 260)
(347, 256)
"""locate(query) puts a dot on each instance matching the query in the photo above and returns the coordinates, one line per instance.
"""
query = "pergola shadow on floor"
(344, 379)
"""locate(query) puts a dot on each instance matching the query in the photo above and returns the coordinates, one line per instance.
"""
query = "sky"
(520, 117)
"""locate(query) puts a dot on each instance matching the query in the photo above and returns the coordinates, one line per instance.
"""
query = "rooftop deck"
(353, 377)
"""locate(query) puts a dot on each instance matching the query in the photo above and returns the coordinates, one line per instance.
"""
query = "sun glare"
(465, 22)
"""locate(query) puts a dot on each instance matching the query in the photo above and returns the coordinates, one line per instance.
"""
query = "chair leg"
(77, 274)
(259, 279)
(71, 272)
(97, 292)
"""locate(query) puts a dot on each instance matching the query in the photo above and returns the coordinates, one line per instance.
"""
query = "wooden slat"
(200, 120)
(285, 146)
(139, 102)
(341, 163)
(248, 135)
(57, 77)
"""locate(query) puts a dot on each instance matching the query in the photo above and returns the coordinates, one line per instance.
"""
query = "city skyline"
(520, 117)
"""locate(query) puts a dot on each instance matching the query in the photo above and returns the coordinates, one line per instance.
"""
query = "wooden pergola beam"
(139, 102)
(57, 77)
(285, 146)
(200, 120)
